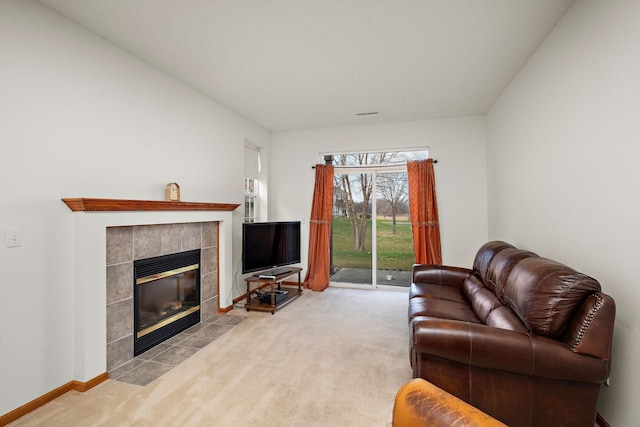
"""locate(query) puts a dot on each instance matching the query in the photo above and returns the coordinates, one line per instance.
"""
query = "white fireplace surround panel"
(90, 277)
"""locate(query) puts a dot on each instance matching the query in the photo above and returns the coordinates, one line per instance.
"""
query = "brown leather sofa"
(523, 338)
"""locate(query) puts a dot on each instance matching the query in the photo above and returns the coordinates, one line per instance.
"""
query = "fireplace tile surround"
(88, 224)
(124, 245)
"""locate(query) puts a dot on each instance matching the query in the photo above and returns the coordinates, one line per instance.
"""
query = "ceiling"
(303, 64)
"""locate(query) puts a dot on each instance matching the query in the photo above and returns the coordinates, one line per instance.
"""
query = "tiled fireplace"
(124, 246)
(159, 227)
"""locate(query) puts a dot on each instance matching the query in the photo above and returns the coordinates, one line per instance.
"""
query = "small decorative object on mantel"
(172, 193)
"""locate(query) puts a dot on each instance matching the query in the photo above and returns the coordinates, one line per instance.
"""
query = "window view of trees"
(353, 192)
(393, 196)
(356, 185)
(353, 209)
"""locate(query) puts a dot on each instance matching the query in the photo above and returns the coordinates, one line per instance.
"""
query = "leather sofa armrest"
(440, 274)
(420, 403)
(503, 350)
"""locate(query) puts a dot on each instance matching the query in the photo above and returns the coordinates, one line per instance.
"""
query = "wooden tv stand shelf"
(273, 283)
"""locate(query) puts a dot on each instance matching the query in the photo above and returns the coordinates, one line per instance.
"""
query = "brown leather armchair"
(421, 404)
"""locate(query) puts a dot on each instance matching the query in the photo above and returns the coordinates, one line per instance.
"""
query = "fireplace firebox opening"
(166, 297)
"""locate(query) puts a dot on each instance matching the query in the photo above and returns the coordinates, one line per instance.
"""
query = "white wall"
(458, 144)
(563, 168)
(82, 118)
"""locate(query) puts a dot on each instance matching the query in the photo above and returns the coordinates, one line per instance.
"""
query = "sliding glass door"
(371, 244)
(351, 233)
(393, 239)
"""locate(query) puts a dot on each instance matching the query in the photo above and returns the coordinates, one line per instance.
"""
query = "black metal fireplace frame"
(156, 265)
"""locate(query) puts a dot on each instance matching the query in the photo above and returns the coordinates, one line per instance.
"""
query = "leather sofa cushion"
(489, 309)
(501, 266)
(443, 309)
(485, 255)
(436, 291)
(545, 294)
(480, 298)
(504, 318)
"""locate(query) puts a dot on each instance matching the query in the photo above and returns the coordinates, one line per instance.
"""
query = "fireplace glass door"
(166, 297)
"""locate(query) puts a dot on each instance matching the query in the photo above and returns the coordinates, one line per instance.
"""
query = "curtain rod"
(434, 161)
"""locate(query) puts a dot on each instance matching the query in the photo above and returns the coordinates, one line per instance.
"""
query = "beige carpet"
(332, 358)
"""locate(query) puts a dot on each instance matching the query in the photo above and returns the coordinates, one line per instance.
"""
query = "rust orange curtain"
(423, 209)
(317, 277)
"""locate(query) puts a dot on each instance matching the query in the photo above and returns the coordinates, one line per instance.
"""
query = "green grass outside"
(395, 251)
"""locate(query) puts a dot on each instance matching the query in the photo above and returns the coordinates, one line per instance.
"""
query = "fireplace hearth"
(166, 297)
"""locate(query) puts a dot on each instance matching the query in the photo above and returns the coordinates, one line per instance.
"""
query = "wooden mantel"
(119, 205)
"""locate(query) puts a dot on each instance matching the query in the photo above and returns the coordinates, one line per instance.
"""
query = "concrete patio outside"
(399, 278)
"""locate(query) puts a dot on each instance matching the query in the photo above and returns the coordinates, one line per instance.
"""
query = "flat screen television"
(269, 245)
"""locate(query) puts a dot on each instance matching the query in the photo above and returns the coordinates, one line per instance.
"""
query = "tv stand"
(273, 282)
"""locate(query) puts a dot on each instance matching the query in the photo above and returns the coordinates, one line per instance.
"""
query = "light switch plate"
(13, 237)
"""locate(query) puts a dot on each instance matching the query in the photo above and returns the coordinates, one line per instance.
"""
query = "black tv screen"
(267, 245)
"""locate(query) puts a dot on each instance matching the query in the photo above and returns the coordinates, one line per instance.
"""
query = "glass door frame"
(374, 170)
